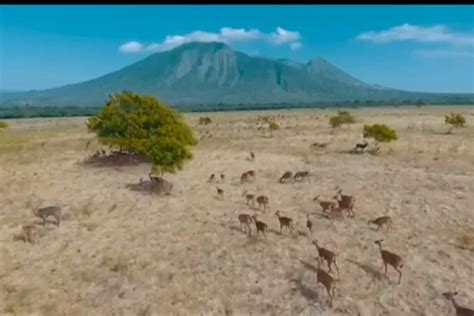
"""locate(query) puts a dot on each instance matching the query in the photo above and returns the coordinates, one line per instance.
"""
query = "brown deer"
(212, 178)
(325, 205)
(245, 221)
(285, 222)
(361, 146)
(328, 256)
(261, 227)
(45, 212)
(249, 197)
(285, 177)
(327, 281)
(263, 200)
(390, 258)
(460, 310)
(244, 178)
(220, 193)
(309, 224)
(27, 234)
(345, 202)
(300, 175)
(222, 177)
(251, 174)
(381, 221)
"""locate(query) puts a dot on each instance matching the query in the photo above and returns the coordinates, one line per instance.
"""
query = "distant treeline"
(71, 111)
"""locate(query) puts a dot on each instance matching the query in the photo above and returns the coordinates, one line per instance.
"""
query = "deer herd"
(339, 205)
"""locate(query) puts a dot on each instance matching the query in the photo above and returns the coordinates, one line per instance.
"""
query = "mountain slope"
(212, 73)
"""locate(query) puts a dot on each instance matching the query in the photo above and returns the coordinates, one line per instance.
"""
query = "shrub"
(205, 120)
(3, 124)
(343, 117)
(455, 120)
(273, 126)
(380, 133)
(145, 126)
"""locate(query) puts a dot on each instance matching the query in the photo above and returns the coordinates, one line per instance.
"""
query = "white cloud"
(408, 32)
(445, 53)
(282, 36)
(226, 34)
(131, 47)
(296, 45)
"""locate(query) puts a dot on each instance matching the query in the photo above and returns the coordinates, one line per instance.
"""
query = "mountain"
(213, 73)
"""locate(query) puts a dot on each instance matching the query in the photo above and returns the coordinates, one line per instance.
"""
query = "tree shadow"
(114, 159)
(370, 269)
(150, 187)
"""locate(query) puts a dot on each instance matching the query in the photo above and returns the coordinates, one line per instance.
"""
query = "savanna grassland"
(119, 251)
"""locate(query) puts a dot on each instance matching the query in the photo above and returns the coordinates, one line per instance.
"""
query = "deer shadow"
(307, 292)
(370, 269)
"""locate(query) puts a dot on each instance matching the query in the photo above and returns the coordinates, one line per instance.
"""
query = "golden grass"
(123, 252)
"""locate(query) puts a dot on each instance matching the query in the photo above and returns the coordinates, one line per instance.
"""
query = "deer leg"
(385, 265)
(329, 266)
(337, 268)
(399, 275)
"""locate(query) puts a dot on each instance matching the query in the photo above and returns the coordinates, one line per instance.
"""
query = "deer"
(211, 178)
(325, 205)
(45, 212)
(327, 255)
(252, 156)
(460, 310)
(392, 259)
(299, 175)
(220, 193)
(263, 200)
(153, 179)
(309, 224)
(27, 233)
(251, 174)
(244, 178)
(249, 197)
(345, 202)
(285, 222)
(381, 221)
(361, 146)
(261, 227)
(286, 176)
(245, 221)
(327, 281)
(222, 177)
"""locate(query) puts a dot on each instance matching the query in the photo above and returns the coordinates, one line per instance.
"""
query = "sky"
(417, 48)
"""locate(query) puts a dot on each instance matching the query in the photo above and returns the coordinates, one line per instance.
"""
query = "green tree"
(144, 126)
(343, 117)
(380, 133)
(419, 102)
(456, 120)
(3, 125)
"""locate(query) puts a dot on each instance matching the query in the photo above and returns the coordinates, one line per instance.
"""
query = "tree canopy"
(380, 133)
(455, 120)
(342, 117)
(145, 126)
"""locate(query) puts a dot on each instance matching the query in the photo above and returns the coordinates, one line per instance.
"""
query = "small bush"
(3, 124)
(342, 117)
(380, 133)
(273, 126)
(205, 120)
(455, 120)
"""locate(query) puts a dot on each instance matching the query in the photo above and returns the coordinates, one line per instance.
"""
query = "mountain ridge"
(214, 73)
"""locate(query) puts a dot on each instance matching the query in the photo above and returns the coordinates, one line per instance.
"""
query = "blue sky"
(419, 48)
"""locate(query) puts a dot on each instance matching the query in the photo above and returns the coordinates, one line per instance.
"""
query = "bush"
(145, 126)
(455, 120)
(380, 133)
(273, 126)
(3, 124)
(343, 117)
(205, 120)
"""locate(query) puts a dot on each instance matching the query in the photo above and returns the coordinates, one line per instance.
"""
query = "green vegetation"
(273, 126)
(46, 111)
(380, 133)
(3, 125)
(343, 117)
(455, 120)
(145, 126)
(205, 120)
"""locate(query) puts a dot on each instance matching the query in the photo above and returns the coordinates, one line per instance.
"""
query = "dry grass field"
(123, 252)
